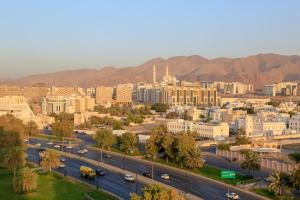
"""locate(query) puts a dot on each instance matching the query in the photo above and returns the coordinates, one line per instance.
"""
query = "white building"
(209, 130)
(294, 123)
(261, 125)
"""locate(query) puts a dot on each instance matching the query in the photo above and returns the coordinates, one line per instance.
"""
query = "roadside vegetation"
(156, 192)
(49, 187)
(19, 180)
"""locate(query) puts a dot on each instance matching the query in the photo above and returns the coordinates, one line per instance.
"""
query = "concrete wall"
(266, 163)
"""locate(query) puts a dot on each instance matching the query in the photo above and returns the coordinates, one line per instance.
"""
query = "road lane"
(198, 186)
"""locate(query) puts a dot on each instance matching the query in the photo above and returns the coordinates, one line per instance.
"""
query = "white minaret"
(154, 74)
(167, 71)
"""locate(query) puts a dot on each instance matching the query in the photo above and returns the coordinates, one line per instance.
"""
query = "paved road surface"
(111, 182)
(192, 184)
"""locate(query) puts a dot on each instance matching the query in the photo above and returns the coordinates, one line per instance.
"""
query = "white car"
(165, 176)
(85, 150)
(38, 144)
(129, 178)
(57, 146)
(80, 152)
(62, 159)
(62, 165)
(232, 195)
(50, 143)
(69, 147)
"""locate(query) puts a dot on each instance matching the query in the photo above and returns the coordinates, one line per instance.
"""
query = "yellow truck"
(87, 172)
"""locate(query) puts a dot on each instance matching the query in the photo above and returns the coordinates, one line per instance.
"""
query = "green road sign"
(227, 174)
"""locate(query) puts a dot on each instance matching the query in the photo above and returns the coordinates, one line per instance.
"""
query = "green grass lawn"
(53, 138)
(210, 172)
(50, 187)
(271, 195)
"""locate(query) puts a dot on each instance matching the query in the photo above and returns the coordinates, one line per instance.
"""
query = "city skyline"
(53, 36)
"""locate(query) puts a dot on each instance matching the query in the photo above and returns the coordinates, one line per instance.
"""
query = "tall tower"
(167, 71)
(154, 74)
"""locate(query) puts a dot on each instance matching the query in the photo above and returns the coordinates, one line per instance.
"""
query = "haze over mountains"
(258, 69)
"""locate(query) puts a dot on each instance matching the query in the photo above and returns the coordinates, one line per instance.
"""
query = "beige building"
(66, 91)
(259, 125)
(35, 92)
(68, 104)
(237, 88)
(17, 106)
(294, 123)
(10, 91)
(81, 118)
(123, 94)
(104, 95)
(209, 130)
(281, 88)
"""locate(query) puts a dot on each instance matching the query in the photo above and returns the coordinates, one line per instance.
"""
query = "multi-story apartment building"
(68, 104)
(6, 90)
(91, 92)
(237, 88)
(294, 123)
(66, 91)
(209, 130)
(35, 92)
(104, 95)
(172, 92)
(123, 94)
(281, 88)
(262, 125)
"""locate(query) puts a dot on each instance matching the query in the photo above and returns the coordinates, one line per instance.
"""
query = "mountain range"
(258, 69)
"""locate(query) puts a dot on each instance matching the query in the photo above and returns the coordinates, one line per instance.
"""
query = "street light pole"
(97, 177)
(65, 173)
(152, 170)
(136, 184)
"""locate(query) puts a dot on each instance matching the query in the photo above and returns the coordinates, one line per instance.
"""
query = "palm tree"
(25, 180)
(14, 158)
(295, 157)
(194, 158)
(50, 160)
(251, 161)
(278, 182)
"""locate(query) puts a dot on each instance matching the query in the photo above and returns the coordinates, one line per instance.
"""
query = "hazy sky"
(50, 35)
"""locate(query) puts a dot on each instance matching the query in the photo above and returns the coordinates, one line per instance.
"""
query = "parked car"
(165, 176)
(69, 147)
(147, 174)
(232, 195)
(129, 178)
(49, 143)
(100, 172)
(38, 144)
(57, 146)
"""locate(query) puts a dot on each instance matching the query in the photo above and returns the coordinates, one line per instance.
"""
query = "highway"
(112, 182)
(206, 189)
